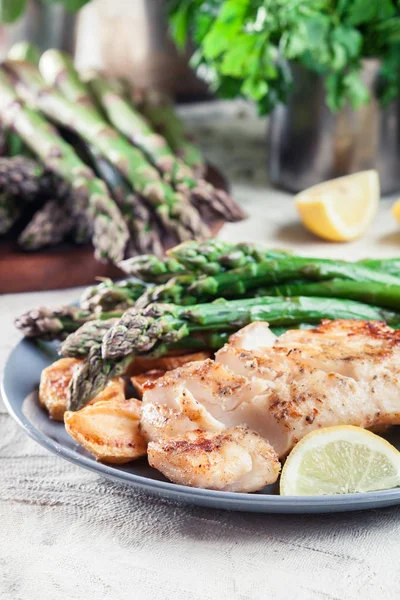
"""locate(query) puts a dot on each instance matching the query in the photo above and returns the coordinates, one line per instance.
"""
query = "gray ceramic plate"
(19, 390)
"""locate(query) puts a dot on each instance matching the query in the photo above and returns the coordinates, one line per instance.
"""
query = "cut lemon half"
(340, 460)
(341, 209)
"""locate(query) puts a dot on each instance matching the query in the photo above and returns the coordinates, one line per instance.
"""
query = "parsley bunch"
(245, 46)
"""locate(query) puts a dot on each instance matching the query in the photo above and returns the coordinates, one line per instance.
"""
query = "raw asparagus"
(160, 112)
(48, 226)
(28, 180)
(175, 213)
(89, 194)
(136, 128)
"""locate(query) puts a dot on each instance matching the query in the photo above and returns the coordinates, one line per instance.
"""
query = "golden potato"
(109, 430)
(53, 386)
(54, 383)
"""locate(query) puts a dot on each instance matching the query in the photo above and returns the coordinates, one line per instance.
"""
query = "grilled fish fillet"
(342, 372)
(235, 460)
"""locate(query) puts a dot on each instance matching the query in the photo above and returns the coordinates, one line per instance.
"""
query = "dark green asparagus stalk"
(159, 326)
(236, 283)
(386, 265)
(161, 114)
(122, 114)
(111, 296)
(49, 226)
(90, 196)
(174, 212)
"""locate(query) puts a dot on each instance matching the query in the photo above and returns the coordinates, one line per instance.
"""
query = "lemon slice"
(340, 460)
(341, 209)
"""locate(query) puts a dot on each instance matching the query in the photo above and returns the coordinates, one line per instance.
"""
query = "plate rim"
(217, 499)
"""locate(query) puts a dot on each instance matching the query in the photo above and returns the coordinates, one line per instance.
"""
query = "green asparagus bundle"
(177, 215)
(134, 126)
(159, 326)
(160, 112)
(58, 70)
(89, 194)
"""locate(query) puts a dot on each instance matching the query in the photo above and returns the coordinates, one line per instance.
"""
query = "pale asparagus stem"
(89, 194)
(49, 226)
(123, 115)
(177, 215)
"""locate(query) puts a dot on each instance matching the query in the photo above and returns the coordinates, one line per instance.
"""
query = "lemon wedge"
(340, 460)
(341, 209)
(396, 210)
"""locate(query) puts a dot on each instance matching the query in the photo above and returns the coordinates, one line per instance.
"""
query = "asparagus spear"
(79, 343)
(110, 296)
(370, 292)
(208, 257)
(138, 331)
(160, 112)
(89, 194)
(28, 180)
(136, 128)
(57, 323)
(52, 324)
(49, 226)
(189, 289)
(174, 212)
(159, 326)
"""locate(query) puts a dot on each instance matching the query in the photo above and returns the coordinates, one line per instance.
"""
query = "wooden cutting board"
(65, 265)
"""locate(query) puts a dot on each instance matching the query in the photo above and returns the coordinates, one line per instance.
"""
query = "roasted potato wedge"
(54, 383)
(109, 430)
(138, 381)
(165, 363)
(53, 386)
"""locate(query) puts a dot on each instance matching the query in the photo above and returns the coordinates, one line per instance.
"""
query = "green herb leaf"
(11, 10)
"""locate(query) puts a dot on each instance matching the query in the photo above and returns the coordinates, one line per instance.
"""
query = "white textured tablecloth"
(67, 534)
